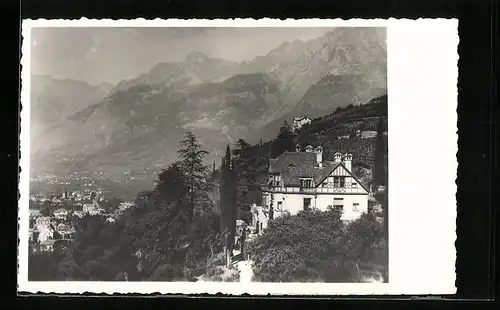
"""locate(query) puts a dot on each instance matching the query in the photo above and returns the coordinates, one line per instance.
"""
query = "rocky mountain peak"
(196, 57)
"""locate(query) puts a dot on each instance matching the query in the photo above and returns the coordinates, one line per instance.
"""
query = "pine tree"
(171, 184)
(195, 172)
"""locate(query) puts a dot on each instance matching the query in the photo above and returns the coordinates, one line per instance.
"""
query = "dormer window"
(306, 182)
(275, 180)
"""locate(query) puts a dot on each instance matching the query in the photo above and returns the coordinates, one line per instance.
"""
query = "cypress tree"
(284, 141)
(380, 173)
(228, 202)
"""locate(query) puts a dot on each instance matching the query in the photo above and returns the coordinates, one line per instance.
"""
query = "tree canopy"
(283, 142)
(316, 246)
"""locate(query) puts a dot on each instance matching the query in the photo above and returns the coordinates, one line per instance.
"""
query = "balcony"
(313, 190)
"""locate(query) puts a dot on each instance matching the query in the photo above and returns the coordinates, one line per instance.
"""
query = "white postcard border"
(422, 92)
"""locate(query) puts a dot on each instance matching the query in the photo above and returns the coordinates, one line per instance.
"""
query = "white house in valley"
(303, 180)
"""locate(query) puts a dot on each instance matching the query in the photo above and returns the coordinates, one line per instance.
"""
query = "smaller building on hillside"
(298, 122)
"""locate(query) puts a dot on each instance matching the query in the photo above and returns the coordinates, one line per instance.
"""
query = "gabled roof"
(295, 165)
(292, 166)
(301, 118)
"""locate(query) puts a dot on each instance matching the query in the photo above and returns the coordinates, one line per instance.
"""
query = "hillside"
(326, 131)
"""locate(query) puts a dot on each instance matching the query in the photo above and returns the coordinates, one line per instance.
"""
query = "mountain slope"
(141, 122)
(141, 126)
(52, 100)
(197, 68)
(348, 51)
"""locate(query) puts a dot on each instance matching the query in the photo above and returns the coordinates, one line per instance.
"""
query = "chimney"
(319, 156)
(297, 147)
(348, 161)
(309, 148)
(338, 157)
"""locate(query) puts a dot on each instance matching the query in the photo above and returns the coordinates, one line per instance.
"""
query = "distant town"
(53, 216)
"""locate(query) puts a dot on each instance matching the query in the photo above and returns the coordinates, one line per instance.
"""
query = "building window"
(307, 203)
(280, 205)
(339, 181)
(275, 180)
(306, 183)
(338, 204)
(355, 206)
(354, 185)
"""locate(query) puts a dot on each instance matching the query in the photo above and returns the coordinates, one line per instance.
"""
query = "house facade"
(303, 180)
(61, 214)
(298, 122)
(91, 208)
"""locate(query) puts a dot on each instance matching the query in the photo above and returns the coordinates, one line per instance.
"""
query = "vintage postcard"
(282, 157)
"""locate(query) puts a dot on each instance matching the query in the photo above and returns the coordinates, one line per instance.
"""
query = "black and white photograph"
(205, 154)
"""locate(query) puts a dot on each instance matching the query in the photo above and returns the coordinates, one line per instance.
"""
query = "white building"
(125, 205)
(66, 231)
(298, 122)
(302, 180)
(61, 214)
(78, 213)
(368, 134)
(34, 213)
(92, 208)
(43, 221)
(44, 234)
(47, 245)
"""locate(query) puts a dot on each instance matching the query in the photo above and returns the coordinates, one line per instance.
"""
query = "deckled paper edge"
(181, 287)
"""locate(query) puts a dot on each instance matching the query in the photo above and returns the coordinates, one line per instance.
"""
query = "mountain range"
(139, 122)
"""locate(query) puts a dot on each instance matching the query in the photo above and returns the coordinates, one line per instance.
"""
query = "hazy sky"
(110, 55)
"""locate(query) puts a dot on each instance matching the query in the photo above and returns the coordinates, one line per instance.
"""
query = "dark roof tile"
(296, 165)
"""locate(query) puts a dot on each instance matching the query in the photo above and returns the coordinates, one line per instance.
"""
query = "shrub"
(217, 273)
(317, 246)
(168, 272)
